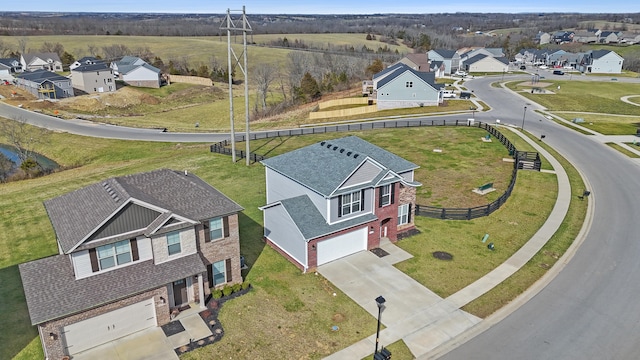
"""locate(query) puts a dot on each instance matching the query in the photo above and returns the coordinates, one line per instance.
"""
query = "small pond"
(10, 153)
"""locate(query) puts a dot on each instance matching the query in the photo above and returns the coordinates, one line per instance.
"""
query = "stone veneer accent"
(55, 349)
(222, 249)
(407, 195)
(161, 250)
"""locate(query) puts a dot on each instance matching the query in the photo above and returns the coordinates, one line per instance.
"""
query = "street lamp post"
(523, 116)
(380, 301)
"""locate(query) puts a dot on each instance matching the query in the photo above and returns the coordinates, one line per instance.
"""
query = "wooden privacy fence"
(420, 210)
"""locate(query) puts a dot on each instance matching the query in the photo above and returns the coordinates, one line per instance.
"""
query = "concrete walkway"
(413, 313)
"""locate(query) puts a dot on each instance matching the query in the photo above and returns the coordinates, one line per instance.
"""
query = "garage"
(107, 327)
(342, 245)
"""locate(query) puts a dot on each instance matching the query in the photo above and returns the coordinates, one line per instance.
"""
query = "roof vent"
(335, 148)
(341, 151)
(355, 156)
(322, 143)
(348, 153)
(111, 192)
(328, 146)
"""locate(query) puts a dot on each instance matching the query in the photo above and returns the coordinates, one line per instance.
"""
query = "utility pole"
(230, 26)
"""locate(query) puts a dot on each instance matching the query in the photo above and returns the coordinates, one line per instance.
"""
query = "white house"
(136, 72)
(41, 61)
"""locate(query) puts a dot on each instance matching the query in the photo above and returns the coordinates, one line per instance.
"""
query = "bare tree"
(6, 166)
(48, 47)
(264, 75)
(4, 49)
(93, 50)
(22, 44)
(24, 138)
(115, 51)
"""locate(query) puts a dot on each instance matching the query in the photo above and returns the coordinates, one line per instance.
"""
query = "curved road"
(591, 309)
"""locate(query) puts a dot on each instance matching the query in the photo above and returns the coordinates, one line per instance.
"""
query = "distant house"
(610, 37)
(8, 67)
(601, 62)
(450, 58)
(437, 68)
(87, 60)
(132, 251)
(542, 38)
(484, 63)
(45, 85)
(587, 36)
(41, 61)
(94, 78)
(493, 52)
(416, 61)
(562, 37)
(399, 86)
(137, 72)
(335, 198)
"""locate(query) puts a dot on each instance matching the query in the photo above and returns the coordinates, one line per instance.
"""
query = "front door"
(180, 292)
(383, 227)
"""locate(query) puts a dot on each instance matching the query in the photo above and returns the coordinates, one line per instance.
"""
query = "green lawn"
(604, 123)
(301, 306)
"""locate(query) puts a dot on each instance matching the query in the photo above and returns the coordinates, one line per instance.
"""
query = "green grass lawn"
(604, 123)
(301, 306)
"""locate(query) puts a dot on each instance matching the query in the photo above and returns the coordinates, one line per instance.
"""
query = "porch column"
(201, 291)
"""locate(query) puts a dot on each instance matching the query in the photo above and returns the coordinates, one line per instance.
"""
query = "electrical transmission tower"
(240, 23)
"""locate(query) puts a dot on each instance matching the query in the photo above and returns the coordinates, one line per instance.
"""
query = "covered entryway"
(384, 227)
(107, 327)
(180, 296)
(342, 245)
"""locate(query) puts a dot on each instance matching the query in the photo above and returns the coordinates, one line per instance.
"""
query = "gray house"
(335, 198)
(87, 60)
(94, 78)
(136, 72)
(601, 62)
(450, 58)
(132, 251)
(399, 86)
(482, 63)
(45, 85)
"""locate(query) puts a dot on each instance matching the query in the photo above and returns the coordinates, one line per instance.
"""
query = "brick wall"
(55, 349)
(222, 249)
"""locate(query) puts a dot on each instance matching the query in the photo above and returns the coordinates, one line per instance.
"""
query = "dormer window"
(114, 254)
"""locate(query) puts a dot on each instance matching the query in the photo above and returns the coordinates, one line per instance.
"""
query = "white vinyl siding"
(81, 264)
(280, 229)
(280, 187)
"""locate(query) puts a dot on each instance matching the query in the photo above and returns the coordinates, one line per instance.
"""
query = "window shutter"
(94, 260)
(207, 234)
(393, 193)
(134, 250)
(409, 214)
(380, 196)
(362, 200)
(339, 205)
(227, 265)
(225, 226)
(210, 275)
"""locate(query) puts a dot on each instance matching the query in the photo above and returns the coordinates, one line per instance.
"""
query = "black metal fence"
(420, 210)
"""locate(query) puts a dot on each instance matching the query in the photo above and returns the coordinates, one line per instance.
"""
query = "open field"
(301, 308)
(200, 50)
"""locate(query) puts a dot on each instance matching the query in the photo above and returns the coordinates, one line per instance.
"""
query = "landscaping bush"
(216, 293)
(245, 285)
(236, 287)
(227, 290)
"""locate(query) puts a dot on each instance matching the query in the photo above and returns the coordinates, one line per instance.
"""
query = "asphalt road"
(591, 309)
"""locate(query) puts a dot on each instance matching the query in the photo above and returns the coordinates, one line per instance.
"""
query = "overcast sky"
(326, 6)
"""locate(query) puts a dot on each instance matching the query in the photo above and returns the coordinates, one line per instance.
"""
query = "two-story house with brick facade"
(132, 250)
(335, 198)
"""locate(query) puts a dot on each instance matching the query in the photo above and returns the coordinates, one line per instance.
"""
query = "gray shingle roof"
(28, 58)
(76, 214)
(40, 76)
(323, 166)
(92, 67)
(427, 77)
(53, 292)
(310, 221)
(445, 53)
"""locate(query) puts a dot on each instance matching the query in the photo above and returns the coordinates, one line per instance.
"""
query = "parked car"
(465, 95)
(522, 67)
(543, 67)
(558, 72)
(448, 94)
(461, 73)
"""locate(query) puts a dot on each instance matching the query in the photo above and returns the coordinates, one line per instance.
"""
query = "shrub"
(216, 293)
(227, 290)
(237, 287)
(245, 285)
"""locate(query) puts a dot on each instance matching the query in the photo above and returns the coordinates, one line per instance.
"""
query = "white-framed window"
(219, 272)
(216, 230)
(173, 243)
(351, 203)
(114, 254)
(409, 84)
(403, 214)
(385, 195)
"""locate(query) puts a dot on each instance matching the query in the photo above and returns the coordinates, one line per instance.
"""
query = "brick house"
(132, 251)
(335, 198)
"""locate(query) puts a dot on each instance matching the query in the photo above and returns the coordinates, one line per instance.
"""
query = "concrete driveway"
(412, 312)
(151, 344)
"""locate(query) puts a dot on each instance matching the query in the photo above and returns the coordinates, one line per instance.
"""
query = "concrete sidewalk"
(416, 315)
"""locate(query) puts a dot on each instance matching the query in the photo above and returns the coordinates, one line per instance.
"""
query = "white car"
(448, 94)
(543, 67)
(460, 73)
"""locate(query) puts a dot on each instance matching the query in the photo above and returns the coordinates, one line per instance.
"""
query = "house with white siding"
(41, 61)
(137, 72)
(335, 198)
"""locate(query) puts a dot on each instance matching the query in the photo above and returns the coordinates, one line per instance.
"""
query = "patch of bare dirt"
(123, 98)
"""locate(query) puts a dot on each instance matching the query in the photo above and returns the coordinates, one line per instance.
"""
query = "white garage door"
(107, 327)
(342, 245)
